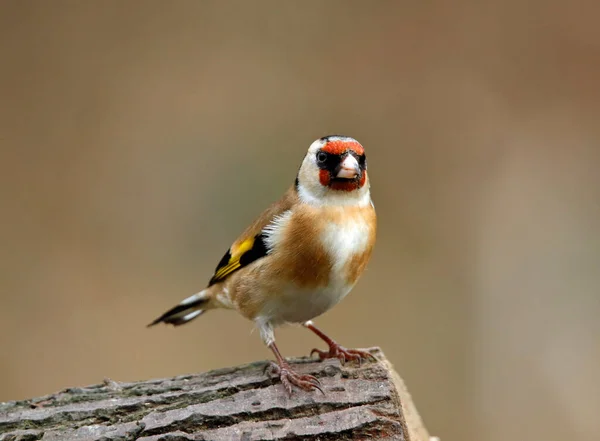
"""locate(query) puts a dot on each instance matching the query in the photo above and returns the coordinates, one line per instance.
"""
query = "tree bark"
(361, 402)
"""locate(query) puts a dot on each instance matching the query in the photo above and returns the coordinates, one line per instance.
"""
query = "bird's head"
(334, 172)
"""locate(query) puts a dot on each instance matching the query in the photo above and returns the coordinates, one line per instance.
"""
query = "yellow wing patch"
(239, 256)
(234, 260)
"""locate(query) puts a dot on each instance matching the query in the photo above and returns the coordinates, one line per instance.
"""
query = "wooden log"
(361, 402)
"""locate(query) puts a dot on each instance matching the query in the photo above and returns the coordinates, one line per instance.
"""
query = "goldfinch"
(300, 257)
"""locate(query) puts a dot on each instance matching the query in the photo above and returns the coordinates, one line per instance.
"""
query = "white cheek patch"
(320, 196)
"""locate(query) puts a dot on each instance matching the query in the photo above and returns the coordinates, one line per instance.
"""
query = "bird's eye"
(362, 161)
(321, 157)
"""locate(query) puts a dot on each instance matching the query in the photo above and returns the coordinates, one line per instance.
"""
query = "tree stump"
(361, 402)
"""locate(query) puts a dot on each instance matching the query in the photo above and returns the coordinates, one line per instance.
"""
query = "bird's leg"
(281, 367)
(335, 349)
(289, 377)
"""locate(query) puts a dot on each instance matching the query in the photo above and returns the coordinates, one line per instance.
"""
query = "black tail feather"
(182, 313)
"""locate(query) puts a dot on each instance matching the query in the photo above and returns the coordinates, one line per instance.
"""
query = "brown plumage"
(301, 256)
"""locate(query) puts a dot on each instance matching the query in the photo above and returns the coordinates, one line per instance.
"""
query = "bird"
(300, 257)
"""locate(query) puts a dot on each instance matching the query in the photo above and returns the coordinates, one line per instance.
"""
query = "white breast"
(342, 241)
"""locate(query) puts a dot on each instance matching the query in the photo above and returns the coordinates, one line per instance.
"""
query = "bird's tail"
(186, 311)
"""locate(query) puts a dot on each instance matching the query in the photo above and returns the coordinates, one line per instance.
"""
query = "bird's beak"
(349, 168)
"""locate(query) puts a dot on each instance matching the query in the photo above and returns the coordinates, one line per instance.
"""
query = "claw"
(289, 377)
(313, 380)
(343, 354)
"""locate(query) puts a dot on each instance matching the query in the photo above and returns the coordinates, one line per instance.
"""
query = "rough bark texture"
(367, 402)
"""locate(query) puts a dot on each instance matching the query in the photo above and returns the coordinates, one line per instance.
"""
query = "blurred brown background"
(139, 138)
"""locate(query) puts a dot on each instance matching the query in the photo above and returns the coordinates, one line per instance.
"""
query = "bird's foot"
(341, 353)
(290, 377)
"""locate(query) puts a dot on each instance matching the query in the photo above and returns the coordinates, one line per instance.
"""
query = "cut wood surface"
(361, 402)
